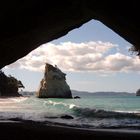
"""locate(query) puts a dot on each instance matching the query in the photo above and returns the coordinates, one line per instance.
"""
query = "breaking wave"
(59, 104)
(91, 112)
(99, 113)
(67, 112)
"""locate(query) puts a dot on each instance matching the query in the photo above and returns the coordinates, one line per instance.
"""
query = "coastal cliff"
(9, 86)
(54, 85)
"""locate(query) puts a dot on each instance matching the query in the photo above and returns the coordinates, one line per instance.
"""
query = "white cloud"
(88, 56)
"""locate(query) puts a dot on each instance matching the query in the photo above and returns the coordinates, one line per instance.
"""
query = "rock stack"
(54, 85)
(138, 92)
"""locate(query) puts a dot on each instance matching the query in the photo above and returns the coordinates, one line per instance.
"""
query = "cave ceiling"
(24, 25)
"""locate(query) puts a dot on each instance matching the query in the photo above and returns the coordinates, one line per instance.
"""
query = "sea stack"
(54, 85)
(138, 92)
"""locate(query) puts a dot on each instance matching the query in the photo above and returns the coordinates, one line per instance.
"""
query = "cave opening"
(90, 54)
(100, 70)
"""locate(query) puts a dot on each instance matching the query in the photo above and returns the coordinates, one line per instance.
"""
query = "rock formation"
(76, 97)
(54, 85)
(28, 24)
(138, 92)
(9, 86)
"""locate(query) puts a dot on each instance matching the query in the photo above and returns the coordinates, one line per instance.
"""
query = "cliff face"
(54, 85)
(9, 86)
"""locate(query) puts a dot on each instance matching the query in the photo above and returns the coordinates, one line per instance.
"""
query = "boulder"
(54, 85)
(138, 92)
(76, 97)
(66, 117)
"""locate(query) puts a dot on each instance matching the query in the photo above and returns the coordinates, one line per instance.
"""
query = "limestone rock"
(54, 85)
(138, 92)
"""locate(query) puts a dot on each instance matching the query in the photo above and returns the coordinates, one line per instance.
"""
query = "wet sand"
(29, 130)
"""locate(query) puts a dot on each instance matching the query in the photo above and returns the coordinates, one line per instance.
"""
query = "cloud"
(87, 56)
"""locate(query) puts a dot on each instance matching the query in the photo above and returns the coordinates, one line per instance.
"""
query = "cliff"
(54, 85)
(9, 86)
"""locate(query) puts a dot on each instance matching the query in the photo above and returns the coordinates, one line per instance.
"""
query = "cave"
(26, 25)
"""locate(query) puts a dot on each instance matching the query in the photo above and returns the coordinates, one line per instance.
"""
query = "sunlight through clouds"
(86, 56)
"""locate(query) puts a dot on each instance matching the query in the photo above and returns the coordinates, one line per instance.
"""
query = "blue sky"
(93, 56)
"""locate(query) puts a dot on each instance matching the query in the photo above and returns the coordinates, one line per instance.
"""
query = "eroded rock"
(54, 85)
(138, 92)
(9, 86)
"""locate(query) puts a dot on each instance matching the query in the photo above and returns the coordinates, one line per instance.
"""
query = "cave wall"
(24, 25)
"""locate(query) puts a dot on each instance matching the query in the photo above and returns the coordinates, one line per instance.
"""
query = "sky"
(93, 56)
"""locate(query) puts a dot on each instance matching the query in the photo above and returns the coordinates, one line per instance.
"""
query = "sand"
(29, 130)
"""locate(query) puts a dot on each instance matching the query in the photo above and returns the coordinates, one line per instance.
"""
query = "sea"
(91, 110)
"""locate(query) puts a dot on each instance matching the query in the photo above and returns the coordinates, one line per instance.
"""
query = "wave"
(99, 113)
(58, 104)
(12, 99)
(65, 112)
(18, 99)
(81, 112)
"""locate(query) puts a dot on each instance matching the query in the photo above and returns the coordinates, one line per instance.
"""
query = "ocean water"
(90, 111)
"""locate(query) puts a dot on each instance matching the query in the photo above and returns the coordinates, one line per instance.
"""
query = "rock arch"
(26, 25)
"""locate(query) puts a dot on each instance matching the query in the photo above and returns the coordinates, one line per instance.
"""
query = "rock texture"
(26, 25)
(138, 92)
(9, 86)
(54, 85)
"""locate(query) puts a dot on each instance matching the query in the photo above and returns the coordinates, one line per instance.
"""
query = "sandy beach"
(24, 130)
